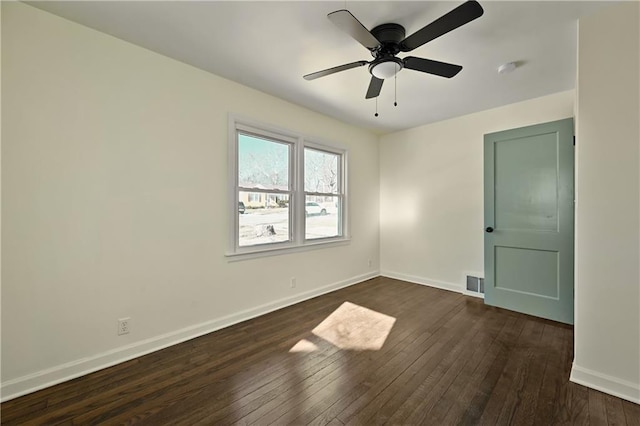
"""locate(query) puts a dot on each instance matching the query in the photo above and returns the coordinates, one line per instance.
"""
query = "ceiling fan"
(387, 40)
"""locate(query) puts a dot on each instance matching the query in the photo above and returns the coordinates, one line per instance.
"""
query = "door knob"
(489, 229)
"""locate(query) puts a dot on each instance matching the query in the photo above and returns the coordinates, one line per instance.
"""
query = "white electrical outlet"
(369, 263)
(124, 325)
(293, 282)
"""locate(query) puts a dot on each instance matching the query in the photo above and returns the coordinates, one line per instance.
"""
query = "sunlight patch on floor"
(303, 346)
(351, 327)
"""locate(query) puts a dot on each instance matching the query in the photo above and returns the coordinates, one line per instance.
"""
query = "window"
(322, 194)
(288, 192)
(264, 186)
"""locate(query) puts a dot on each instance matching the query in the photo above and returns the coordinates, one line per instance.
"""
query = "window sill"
(264, 252)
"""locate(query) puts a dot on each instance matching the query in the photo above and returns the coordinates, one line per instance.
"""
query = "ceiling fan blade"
(333, 70)
(374, 88)
(348, 23)
(442, 69)
(459, 16)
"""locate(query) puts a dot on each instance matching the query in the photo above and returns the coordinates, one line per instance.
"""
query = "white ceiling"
(270, 45)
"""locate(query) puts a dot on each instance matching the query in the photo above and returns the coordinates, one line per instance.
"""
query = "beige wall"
(114, 202)
(607, 304)
(431, 191)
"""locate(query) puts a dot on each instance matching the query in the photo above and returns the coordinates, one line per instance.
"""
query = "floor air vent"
(475, 284)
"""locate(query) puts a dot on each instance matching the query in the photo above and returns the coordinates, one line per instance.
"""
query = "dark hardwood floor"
(447, 359)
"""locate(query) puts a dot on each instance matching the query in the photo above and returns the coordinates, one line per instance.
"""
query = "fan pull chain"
(376, 114)
(395, 90)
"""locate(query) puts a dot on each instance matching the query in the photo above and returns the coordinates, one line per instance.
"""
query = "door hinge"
(574, 141)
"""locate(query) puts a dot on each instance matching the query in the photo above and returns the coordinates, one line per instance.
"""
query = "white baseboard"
(14, 388)
(473, 294)
(458, 288)
(605, 383)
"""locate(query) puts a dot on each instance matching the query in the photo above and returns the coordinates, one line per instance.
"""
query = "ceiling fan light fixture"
(386, 69)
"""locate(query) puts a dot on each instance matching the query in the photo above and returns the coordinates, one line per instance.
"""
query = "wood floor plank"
(519, 407)
(448, 359)
(631, 413)
(484, 400)
(597, 408)
(417, 408)
(614, 409)
(463, 399)
(501, 402)
(553, 376)
(449, 403)
(572, 400)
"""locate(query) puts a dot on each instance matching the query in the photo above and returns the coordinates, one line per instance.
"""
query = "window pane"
(263, 218)
(322, 217)
(320, 171)
(262, 163)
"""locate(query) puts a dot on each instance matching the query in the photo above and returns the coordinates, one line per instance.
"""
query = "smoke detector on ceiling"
(507, 68)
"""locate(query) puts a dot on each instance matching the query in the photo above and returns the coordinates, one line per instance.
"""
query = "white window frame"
(341, 185)
(297, 195)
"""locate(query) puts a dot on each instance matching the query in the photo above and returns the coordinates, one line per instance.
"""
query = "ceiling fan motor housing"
(386, 64)
(390, 36)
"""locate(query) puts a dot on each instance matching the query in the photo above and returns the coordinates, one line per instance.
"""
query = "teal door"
(528, 215)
